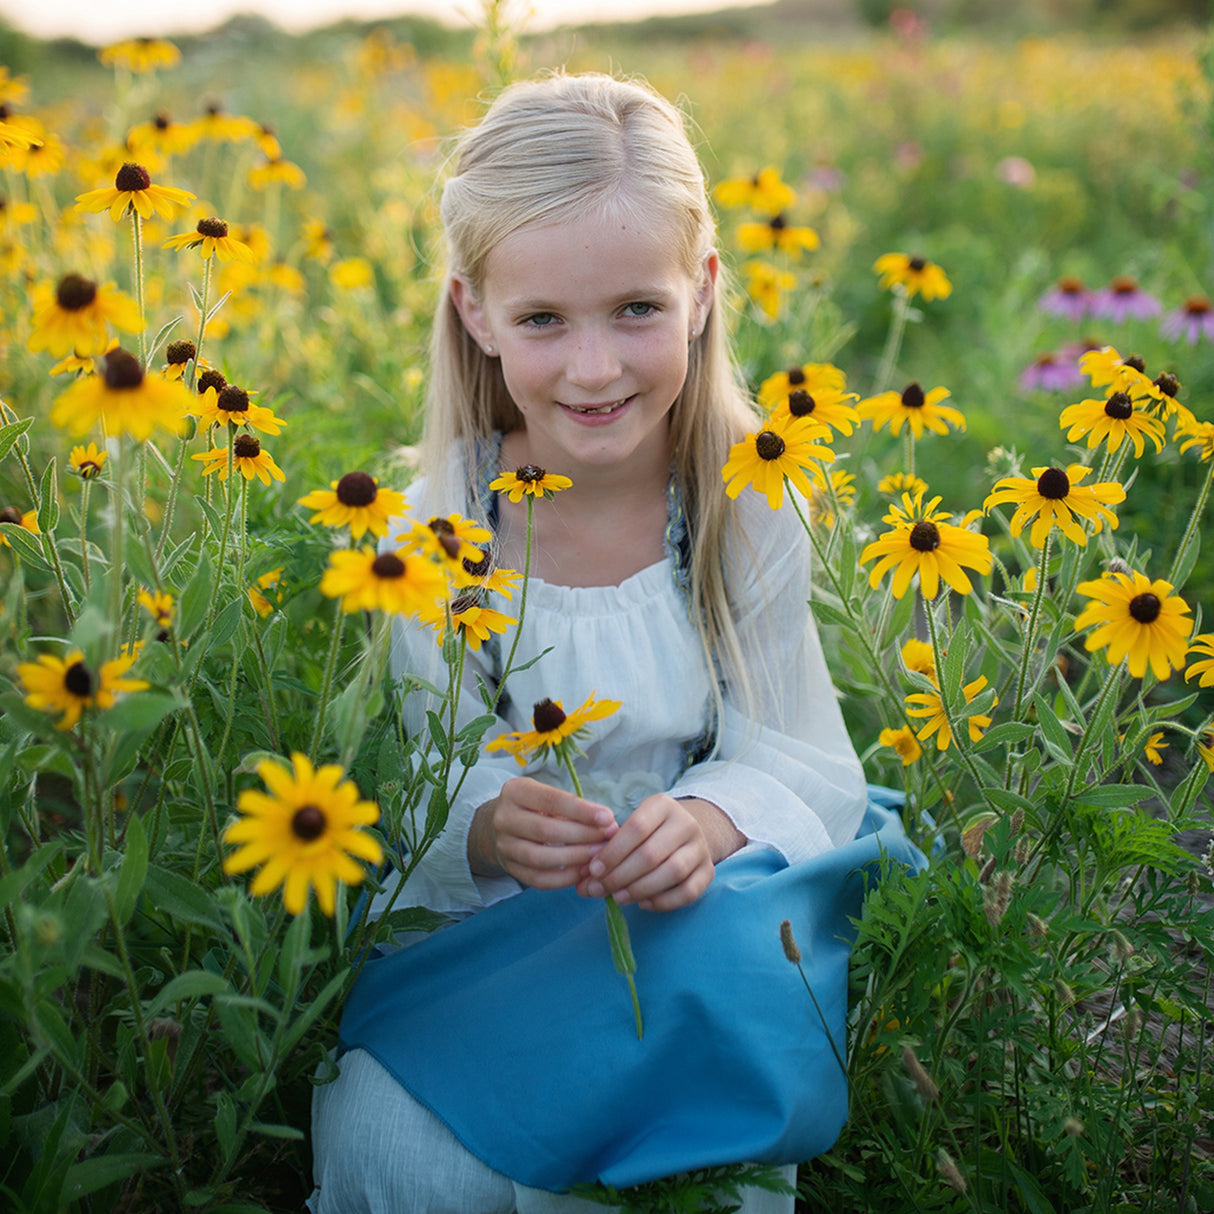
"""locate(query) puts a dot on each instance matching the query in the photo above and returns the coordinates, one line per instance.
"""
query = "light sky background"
(103, 21)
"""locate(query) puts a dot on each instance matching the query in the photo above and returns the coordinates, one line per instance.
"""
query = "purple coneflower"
(1193, 319)
(1051, 372)
(1124, 298)
(1067, 297)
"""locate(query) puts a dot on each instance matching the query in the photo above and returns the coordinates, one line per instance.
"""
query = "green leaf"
(11, 433)
(225, 1125)
(141, 711)
(1006, 734)
(1113, 796)
(100, 1171)
(304, 1022)
(134, 869)
(26, 545)
(182, 899)
(828, 613)
(293, 1133)
(226, 623)
(438, 733)
(192, 606)
(14, 884)
(48, 499)
(1053, 736)
(193, 984)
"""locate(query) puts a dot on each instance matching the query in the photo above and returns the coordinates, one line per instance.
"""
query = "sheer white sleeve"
(785, 769)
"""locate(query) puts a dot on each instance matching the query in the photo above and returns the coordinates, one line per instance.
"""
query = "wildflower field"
(971, 291)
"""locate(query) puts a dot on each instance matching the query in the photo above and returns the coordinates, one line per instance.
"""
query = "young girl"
(496, 1063)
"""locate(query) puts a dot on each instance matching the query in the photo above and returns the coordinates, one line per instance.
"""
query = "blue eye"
(541, 320)
(639, 309)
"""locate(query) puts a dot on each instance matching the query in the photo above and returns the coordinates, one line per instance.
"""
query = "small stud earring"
(488, 349)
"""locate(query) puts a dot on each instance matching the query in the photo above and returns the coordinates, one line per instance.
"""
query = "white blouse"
(789, 780)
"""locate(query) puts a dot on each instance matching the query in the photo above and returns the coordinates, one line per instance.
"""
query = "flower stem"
(84, 531)
(137, 237)
(1191, 529)
(202, 319)
(339, 619)
(522, 605)
(893, 341)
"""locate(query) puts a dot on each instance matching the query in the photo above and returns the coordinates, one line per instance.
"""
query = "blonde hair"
(548, 149)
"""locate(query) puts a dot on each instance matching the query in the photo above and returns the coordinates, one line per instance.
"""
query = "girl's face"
(591, 320)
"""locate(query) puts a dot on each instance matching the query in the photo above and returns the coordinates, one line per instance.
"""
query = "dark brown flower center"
(132, 177)
(769, 446)
(1168, 384)
(356, 489)
(1071, 286)
(778, 223)
(442, 526)
(122, 370)
(308, 823)
(795, 376)
(1145, 607)
(1197, 305)
(1123, 284)
(212, 227)
(75, 292)
(162, 121)
(388, 566)
(913, 396)
(88, 469)
(178, 353)
(918, 264)
(465, 602)
(479, 568)
(1137, 362)
(1119, 406)
(800, 403)
(530, 473)
(246, 446)
(211, 378)
(1054, 484)
(78, 680)
(233, 399)
(547, 715)
(10, 514)
(924, 536)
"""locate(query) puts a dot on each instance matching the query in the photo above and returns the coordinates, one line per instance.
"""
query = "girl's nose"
(593, 362)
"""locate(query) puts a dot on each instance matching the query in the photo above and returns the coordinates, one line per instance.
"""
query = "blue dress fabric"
(515, 1029)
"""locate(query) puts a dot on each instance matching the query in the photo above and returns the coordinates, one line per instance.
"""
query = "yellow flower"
(13, 89)
(229, 405)
(27, 520)
(929, 706)
(158, 604)
(553, 728)
(1110, 421)
(1201, 436)
(1056, 498)
(531, 480)
(305, 833)
(248, 458)
(923, 542)
(452, 540)
(318, 240)
(1205, 748)
(68, 686)
(140, 54)
(356, 501)
(21, 138)
(901, 482)
(401, 583)
(1154, 747)
(827, 406)
(276, 169)
(814, 378)
(87, 462)
(1106, 368)
(917, 409)
(821, 505)
(777, 234)
(785, 447)
(267, 581)
(211, 238)
(217, 125)
(160, 136)
(919, 656)
(133, 189)
(1139, 620)
(904, 742)
(481, 573)
(353, 273)
(72, 317)
(177, 357)
(475, 622)
(762, 192)
(767, 286)
(123, 400)
(915, 275)
(1203, 645)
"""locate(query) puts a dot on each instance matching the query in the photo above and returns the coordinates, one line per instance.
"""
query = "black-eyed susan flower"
(828, 406)
(318, 240)
(784, 447)
(1205, 748)
(123, 400)
(914, 275)
(87, 462)
(27, 520)
(922, 541)
(1201, 436)
(305, 832)
(481, 573)
(530, 480)
(158, 604)
(68, 686)
(177, 357)
(277, 171)
(917, 409)
(554, 729)
(352, 274)
(777, 235)
(1137, 620)
(765, 191)
(452, 539)
(928, 706)
(74, 316)
(210, 237)
(271, 583)
(400, 583)
(1154, 747)
(904, 742)
(897, 483)
(231, 405)
(355, 501)
(1056, 499)
(218, 126)
(17, 137)
(919, 656)
(808, 377)
(133, 190)
(767, 285)
(1104, 366)
(140, 55)
(475, 622)
(248, 458)
(13, 89)
(1203, 670)
(160, 135)
(842, 490)
(1112, 421)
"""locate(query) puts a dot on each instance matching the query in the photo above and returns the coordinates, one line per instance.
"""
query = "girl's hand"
(543, 837)
(664, 855)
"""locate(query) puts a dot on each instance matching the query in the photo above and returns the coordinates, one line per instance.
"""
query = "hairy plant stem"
(893, 343)
(522, 604)
(326, 686)
(137, 241)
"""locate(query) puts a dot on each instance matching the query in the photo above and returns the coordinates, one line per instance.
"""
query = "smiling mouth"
(599, 410)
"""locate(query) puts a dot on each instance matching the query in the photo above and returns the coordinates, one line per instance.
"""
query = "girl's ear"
(471, 311)
(706, 290)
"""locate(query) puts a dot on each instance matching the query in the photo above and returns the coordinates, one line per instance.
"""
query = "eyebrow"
(541, 304)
